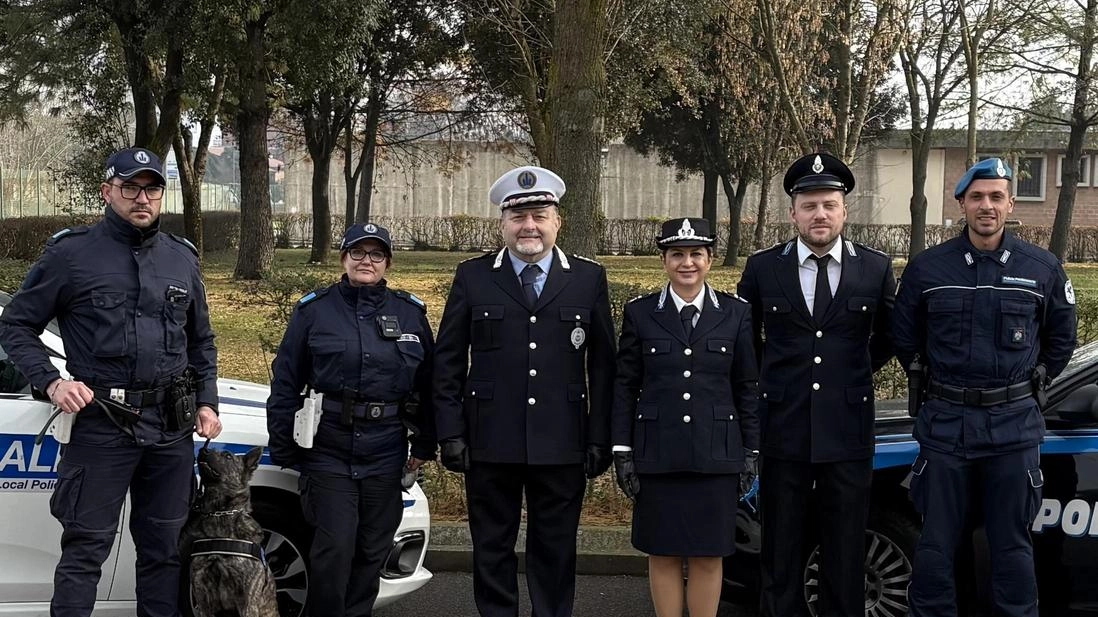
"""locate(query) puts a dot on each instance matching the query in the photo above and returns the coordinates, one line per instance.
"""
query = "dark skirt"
(686, 514)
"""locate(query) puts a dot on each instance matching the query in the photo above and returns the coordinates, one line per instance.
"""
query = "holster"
(180, 406)
(1039, 380)
(916, 386)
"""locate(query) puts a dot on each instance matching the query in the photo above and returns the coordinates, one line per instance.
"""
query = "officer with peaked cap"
(524, 371)
(136, 327)
(992, 317)
(824, 304)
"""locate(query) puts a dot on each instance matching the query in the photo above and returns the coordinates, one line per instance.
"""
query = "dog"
(221, 541)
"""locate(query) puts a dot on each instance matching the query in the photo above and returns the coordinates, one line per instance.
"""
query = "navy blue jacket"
(687, 405)
(333, 345)
(984, 319)
(132, 311)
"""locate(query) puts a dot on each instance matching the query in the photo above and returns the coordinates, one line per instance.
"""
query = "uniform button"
(817, 360)
(358, 434)
(583, 396)
(639, 416)
(354, 474)
(533, 345)
(764, 394)
(533, 372)
(731, 417)
(815, 386)
(686, 396)
(687, 351)
(361, 317)
(686, 419)
(531, 400)
(864, 308)
(774, 308)
(533, 319)
(473, 393)
(819, 334)
(138, 313)
(485, 313)
(865, 398)
(724, 349)
(686, 373)
(653, 350)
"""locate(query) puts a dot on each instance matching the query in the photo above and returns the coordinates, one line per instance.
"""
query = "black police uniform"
(350, 478)
(687, 406)
(982, 321)
(133, 315)
(533, 393)
(817, 408)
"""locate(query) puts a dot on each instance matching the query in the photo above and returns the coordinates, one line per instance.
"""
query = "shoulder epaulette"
(185, 242)
(871, 249)
(644, 296)
(65, 233)
(312, 295)
(769, 248)
(410, 297)
(482, 256)
(732, 295)
(587, 259)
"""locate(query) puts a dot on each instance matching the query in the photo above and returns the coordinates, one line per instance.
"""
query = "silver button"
(686, 419)
(817, 360)
(639, 416)
(774, 308)
(731, 417)
(533, 372)
(865, 398)
(531, 400)
(764, 394)
(485, 313)
(533, 345)
(724, 349)
(473, 393)
(686, 373)
(533, 319)
(686, 396)
(687, 351)
(815, 386)
(653, 350)
(819, 334)
(578, 317)
(583, 396)
(864, 309)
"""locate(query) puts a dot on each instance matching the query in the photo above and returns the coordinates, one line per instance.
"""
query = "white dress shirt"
(807, 270)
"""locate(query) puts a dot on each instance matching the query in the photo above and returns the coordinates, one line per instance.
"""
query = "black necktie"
(822, 298)
(687, 315)
(529, 275)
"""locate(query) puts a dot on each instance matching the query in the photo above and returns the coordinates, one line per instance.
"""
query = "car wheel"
(286, 541)
(889, 548)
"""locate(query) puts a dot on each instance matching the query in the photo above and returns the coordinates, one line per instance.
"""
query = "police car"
(30, 536)
(1065, 529)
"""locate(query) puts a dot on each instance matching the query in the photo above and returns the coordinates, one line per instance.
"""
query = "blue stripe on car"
(901, 450)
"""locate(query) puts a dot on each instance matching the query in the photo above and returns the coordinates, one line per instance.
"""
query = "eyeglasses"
(360, 254)
(131, 191)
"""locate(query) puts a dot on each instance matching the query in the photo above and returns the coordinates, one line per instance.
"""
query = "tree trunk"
(322, 215)
(191, 188)
(256, 231)
(374, 107)
(709, 197)
(843, 81)
(350, 179)
(760, 214)
(735, 214)
(577, 95)
(920, 154)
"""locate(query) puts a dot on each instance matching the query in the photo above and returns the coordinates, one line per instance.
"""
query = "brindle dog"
(229, 576)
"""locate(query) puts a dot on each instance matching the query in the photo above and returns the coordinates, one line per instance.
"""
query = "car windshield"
(51, 327)
(1083, 357)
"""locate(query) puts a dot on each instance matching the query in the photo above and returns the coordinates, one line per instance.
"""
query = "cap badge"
(141, 157)
(527, 180)
(686, 231)
(370, 228)
(817, 165)
(999, 169)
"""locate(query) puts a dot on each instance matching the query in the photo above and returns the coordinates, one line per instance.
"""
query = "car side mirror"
(1081, 406)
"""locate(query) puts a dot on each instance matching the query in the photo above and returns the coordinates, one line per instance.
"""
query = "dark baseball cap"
(128, 163)
(366, 231)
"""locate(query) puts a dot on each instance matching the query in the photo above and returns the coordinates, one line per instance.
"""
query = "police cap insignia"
(141, 157)
(817, 165)
(527, 179)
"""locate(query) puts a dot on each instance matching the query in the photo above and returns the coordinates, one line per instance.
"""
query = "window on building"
(1083, 179)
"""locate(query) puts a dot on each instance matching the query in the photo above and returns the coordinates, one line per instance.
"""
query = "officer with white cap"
(524, 373)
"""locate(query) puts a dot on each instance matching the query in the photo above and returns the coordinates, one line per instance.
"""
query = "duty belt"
(133, 398)
(979, 397)
(362, 410)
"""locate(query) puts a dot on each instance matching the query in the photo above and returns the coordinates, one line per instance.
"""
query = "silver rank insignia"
(578, 337)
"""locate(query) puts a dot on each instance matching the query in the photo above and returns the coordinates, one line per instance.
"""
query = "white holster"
(307, 419)
(61, 427)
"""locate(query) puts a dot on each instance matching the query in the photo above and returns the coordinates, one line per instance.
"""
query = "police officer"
(685, 428)
(133, 316)
(524, 374)
(823, 304)
(993, 318)
(368, 349)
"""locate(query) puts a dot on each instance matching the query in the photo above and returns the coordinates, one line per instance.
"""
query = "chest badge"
(578, 337)
(1017, 335)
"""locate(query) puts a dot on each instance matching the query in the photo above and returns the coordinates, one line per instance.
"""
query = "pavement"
(602, 551)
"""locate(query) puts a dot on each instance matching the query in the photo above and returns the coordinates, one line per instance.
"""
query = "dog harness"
(205, 547)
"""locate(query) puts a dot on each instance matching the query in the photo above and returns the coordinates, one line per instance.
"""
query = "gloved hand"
(750, 471)
(626, 473)
(597, 460)
(455, 455)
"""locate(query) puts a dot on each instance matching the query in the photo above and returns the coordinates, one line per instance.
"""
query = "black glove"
(597, 460)
(626, 473)
(750, 471)
(455, 455)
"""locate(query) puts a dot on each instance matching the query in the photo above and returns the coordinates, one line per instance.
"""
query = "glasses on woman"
(375, 256)
(131, 191)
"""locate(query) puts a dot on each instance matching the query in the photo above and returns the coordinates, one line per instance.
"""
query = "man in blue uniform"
(993, 319)
(132, 310)
(821, 308)
(524, 375)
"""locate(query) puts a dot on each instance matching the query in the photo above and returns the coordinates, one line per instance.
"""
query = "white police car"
(30, 536)
(1064, 530)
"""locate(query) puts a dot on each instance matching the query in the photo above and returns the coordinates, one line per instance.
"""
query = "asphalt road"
(451, 594)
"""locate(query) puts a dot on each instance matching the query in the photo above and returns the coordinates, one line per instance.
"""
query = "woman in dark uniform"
(685, 429)
(368, 350)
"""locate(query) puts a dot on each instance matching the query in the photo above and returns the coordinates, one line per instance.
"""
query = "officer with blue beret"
(524, 375)
(368, 350)
(992, 319)
(132, 309)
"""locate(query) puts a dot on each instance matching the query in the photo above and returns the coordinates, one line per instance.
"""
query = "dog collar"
(226, 546)
(223, 513)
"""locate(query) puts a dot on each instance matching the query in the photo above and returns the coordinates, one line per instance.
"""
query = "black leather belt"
(362, 410)
(980, 397)
(133, 398)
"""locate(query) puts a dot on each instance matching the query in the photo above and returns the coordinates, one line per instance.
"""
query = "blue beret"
(987, 169)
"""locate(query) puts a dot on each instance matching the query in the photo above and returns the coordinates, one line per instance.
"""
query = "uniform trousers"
(554, 495)
(354, 521)
(833, 497)
(92, 482)
(944, 489)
